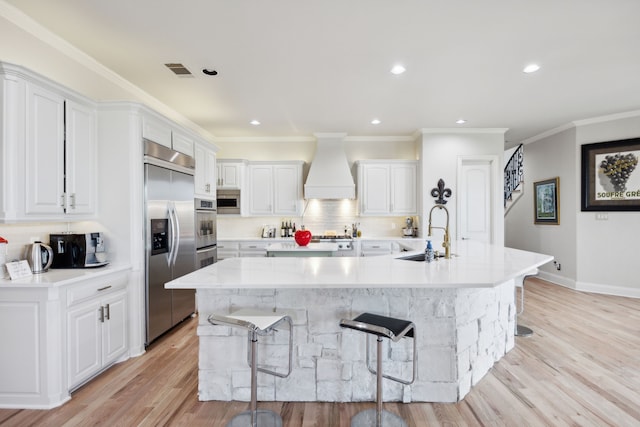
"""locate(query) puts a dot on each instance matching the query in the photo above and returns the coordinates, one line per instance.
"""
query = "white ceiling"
(301, 67)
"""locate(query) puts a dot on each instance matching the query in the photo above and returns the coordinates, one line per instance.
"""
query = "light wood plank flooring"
(580, 368)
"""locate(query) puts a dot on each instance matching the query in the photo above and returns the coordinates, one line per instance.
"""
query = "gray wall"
(595, 255)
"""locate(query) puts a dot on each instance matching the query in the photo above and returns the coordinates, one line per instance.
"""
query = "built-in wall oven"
(206, 233)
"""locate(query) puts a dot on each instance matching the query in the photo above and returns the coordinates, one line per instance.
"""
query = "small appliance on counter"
(410, 230)
(40, 257)
(269, 231)
(78, 250)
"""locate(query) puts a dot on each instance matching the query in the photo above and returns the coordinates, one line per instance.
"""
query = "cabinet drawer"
(376, 246)
(254, 246)
(92, 288)
(228, 246)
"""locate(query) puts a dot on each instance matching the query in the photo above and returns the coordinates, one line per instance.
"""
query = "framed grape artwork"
(546, 206)
(611, 176)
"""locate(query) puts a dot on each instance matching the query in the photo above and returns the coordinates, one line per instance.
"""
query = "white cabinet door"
(182, 143)
(287, 189)
(114, 334)
(229, 175)
(403, 189)
(205, 174)
(375, 189)
(156, 130)
(97, 329)
(80, 158)
(260, 190)
(387, 187)
(44, 152)
(84, 342)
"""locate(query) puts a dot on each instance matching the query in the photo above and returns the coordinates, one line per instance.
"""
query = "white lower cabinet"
(256, 248)
(96, 334)
(53, 338)
(378, 247)
(228, 249)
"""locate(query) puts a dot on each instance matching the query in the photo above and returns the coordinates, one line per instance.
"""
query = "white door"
(475, 200)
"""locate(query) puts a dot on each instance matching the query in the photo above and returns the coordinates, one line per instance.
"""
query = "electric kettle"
(40, 257)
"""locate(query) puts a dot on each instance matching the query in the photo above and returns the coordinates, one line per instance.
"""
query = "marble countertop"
(294, 247)
(474, 265)
(62, 276)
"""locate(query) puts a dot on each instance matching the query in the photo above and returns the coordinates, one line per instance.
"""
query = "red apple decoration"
(302, 237)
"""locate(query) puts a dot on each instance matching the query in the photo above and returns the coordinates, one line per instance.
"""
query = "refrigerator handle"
(175, 234)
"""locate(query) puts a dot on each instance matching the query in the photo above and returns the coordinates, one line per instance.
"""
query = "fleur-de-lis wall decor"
(440, 193)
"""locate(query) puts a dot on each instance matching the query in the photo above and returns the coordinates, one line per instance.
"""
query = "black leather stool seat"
(382, 326)
(393, 329)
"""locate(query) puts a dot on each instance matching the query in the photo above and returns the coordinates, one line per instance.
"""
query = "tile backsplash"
(319, 216)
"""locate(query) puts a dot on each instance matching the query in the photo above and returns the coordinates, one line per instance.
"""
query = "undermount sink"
(418, 257)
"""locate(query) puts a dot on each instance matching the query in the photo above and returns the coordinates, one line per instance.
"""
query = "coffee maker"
(72, 250)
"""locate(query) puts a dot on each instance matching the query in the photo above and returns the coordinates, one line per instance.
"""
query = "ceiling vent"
(179, 70)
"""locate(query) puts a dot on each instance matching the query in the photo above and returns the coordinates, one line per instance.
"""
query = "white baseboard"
(595, 288)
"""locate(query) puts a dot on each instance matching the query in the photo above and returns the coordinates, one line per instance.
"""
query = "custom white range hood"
(329, 174)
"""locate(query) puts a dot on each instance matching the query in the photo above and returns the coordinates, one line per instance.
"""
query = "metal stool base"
(368, 418)
(523, 331)
(264, 418)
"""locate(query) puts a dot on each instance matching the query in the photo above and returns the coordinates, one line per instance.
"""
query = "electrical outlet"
(393, 225)
(602, 216)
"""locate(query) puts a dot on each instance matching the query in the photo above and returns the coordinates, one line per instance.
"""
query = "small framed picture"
(611, 176)
(546, 201)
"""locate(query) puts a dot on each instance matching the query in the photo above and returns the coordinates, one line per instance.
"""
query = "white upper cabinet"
(275, 188)
(160, 130)
(44, 171)
(49, 146)
(60, 173)
(387, 187)
(205, 176)
(80, 158)
(230, 173)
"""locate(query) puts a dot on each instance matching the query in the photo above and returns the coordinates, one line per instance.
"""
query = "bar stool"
(256, 323)
(522, 331)
(394, 329)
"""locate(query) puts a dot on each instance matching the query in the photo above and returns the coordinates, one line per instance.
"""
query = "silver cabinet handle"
(104, 289)
(101, 314)
(63, 198)
(108, 312)
(72, 197)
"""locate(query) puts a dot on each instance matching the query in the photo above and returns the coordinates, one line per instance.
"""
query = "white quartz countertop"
(294, 247)
(62, 276)
(474, 265)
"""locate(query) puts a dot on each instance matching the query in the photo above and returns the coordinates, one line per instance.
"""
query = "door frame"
(497, 218)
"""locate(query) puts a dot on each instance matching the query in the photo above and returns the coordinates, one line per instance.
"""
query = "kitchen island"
(463, 309)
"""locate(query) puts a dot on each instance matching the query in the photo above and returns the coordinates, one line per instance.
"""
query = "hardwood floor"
(580, 368)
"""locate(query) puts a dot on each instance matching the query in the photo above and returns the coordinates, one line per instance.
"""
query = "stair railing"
(513, 173)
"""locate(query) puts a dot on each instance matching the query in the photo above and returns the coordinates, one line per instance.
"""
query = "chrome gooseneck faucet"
(446, 244)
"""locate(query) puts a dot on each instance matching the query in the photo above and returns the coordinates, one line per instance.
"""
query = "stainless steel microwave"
(228, 201)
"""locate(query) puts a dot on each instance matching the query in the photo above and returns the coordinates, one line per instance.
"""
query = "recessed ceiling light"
(375, 122)
(255, 122)
(531, 68)
(461, 121)
(398, 69)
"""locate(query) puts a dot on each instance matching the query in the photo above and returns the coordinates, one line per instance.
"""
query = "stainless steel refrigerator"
(169, 236)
